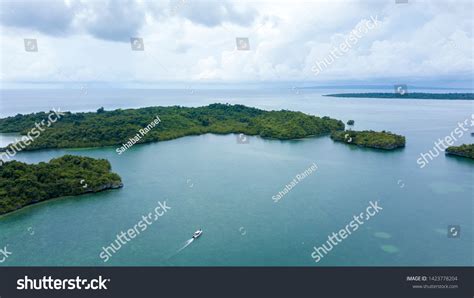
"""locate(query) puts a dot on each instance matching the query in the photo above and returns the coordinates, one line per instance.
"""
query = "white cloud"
(195, 41)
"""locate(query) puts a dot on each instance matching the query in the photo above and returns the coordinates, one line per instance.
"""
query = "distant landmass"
(408, 95)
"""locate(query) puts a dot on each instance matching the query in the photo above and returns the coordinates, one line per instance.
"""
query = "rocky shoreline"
(104, 187)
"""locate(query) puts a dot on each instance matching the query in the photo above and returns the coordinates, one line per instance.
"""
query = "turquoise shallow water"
(211, 182)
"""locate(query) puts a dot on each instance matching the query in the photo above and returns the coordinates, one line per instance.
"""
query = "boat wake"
(186, 244)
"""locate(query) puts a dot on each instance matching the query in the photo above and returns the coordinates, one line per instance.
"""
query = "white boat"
(197, 233)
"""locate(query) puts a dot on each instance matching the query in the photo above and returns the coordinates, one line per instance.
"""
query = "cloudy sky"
(195, 41)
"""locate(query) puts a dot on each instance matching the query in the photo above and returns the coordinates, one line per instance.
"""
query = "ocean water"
(225, 188)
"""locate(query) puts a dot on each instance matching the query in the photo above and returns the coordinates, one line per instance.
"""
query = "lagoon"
(225, 187)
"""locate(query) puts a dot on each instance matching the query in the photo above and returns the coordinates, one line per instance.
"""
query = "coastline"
(166, 140)
(32, 204)
(218, 119)
(455, 154)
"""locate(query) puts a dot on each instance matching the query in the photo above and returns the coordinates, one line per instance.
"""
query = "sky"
(196, 41)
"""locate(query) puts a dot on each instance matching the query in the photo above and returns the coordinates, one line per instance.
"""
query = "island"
(350, 122)
(368, 138)
(24, 184)
(466, 150)
(112, 128)
(408, 95)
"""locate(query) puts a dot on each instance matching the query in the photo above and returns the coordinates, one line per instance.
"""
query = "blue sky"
(195, 41)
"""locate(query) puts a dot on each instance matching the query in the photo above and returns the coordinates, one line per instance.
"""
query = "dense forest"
(368, 138)
(107, 128)
(22, 184)
(411, 95)
(466, 150)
